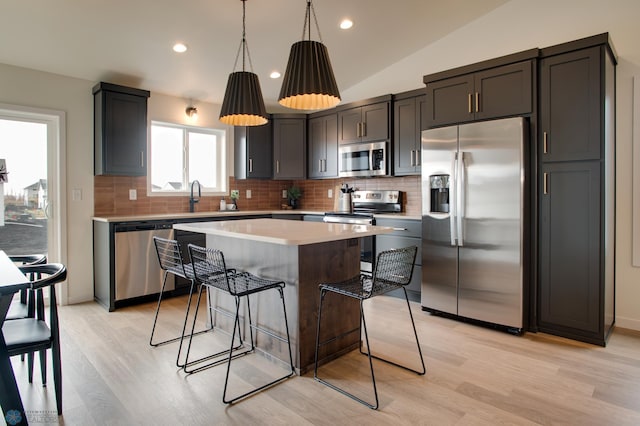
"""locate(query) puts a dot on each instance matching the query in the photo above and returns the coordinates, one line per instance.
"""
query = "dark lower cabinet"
(576, 190)
(570, 262)
(405, 233)
(184, 238)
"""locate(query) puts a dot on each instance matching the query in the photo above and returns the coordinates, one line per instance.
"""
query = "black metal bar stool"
(170, 258)
(210, 270)
(393, 270)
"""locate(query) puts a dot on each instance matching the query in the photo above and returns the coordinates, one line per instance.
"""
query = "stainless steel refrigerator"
(472, 221)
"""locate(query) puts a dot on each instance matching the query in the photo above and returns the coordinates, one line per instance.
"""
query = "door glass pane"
(202, 159)
(166, 158)
(23, 154)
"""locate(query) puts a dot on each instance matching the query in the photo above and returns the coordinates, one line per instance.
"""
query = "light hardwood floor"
(475, 376)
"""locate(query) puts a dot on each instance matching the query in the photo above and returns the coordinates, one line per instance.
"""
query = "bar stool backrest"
(394, 267)
(170, 256)
(209, 267)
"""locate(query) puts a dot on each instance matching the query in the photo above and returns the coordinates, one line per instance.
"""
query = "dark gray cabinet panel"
(408, 118)
(570, 106)
(406, 233)
(253, 152)
(576, 198)
(289, 148)
(497, 92)
(364, 124)
(120, 130)
(570, 246)
(323, 147)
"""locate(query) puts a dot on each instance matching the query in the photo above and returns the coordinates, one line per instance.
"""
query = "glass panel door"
(24, 186)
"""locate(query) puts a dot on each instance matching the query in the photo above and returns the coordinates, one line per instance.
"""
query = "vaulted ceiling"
(130, 41)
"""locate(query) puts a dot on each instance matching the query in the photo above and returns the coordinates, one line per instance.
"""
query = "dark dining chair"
(170, 259)
(210, 271)
(38, 334)
(392, 271)
(25, 306)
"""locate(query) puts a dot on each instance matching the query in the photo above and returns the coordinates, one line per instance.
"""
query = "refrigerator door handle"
(460, 181)
(452, 197)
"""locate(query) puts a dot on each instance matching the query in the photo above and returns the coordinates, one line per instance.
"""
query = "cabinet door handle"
(250, 165)
(399, 229)
(544, 142)
(470, 103)
(141, 158)
(544, 183)
(324, 167)
(277, 166)
(364, 129)
(477, 102)
(411, 162)
(418, 159)
(320, 165)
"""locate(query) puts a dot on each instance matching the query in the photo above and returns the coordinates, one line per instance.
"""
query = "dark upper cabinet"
(409, 116)
(364, 123)
(120, 130)
(576, 198)
(495, 92)
(253, 151)
(570, 116)
(323, 146)
(289, 147)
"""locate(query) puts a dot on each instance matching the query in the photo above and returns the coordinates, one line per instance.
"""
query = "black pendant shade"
(309, 82)
(243, 104)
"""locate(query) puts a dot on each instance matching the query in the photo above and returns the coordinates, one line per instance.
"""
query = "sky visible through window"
(23, 145)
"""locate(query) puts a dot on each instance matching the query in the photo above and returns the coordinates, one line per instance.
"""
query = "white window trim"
(222, 155)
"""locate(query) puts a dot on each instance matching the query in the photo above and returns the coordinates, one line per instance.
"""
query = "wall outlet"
(133, 194)
(235, 193)
(76, 194)
(329, 193)
(284, 193)
(248, 194)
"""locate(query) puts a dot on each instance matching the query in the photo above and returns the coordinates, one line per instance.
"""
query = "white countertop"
(283, 232)
(231, 213)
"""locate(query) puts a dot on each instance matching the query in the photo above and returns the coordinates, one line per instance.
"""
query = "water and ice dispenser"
(439, 185)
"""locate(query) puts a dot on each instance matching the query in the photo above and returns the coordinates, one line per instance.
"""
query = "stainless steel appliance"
(363, 159)
(472, 221)
(364, 205)
(137, 270)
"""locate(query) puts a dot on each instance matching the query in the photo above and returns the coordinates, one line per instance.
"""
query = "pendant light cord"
(244, 46)
(307, 19)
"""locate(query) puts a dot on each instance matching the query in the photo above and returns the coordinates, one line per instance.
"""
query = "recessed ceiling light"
(346, 24)
(274, 74)
(179, 48)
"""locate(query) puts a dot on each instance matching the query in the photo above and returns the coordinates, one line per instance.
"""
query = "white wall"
(523, 24)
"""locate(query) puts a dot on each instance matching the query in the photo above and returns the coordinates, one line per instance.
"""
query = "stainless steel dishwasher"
(137, 270)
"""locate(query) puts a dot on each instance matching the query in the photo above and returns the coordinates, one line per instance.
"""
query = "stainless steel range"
(365, 205)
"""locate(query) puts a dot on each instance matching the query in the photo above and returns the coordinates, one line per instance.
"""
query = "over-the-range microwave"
(363, 159)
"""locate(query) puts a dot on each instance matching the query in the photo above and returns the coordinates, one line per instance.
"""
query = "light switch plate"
(133, 194)
(248, 193)
(284, 193)
(76, 194)
(329, 193)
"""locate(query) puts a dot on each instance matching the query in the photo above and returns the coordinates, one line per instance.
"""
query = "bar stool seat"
(393, 270)
(210, 270)
(170, 259)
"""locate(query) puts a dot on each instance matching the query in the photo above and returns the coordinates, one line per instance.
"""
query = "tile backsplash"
(112, 195)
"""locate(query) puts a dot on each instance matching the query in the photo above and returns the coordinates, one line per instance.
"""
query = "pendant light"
(243, 104)
(309, 82)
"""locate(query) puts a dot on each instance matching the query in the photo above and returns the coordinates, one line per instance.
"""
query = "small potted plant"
(234, 199)
(293, 194)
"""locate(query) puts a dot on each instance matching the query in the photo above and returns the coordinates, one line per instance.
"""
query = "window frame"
(221, 167)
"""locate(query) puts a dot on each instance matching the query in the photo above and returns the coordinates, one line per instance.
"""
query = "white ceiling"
(129, 41)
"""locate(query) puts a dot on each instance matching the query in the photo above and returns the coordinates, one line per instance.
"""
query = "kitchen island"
(303, 254)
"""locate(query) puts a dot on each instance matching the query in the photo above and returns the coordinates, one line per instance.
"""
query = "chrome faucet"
(193, 201)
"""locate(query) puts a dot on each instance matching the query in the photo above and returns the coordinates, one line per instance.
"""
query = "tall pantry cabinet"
(576, 158)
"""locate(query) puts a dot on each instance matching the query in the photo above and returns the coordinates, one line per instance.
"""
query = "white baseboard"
(629, 323)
